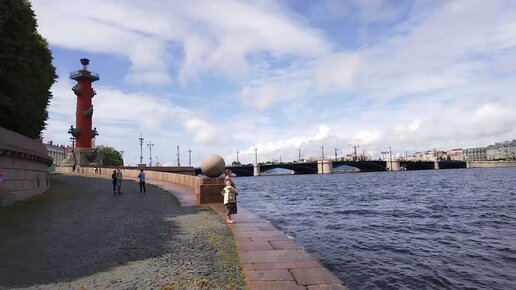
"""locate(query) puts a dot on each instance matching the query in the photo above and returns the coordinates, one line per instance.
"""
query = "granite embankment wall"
(490, 164)
(207, 190)
(23, 167)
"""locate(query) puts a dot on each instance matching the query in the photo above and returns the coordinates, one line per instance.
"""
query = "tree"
(26, 70)
(110, 156)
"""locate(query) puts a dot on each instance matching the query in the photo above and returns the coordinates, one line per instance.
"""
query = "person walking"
(113, 180)
(141, 176)
(118, 180)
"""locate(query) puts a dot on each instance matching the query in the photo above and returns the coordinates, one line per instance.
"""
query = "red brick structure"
(83, 132)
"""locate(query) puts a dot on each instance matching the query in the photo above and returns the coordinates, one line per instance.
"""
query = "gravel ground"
(78, 235)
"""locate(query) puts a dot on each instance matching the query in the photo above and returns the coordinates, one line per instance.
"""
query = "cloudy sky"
(221, 76)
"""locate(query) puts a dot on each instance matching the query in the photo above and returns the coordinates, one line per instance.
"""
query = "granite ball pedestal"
(213, 165)
(209, 188)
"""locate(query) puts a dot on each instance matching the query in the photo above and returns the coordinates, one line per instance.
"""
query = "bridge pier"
(393, 165)
(324, 166)
(436, 165)
(256, 170)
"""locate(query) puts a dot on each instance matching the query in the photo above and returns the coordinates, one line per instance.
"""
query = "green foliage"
(110, 156)
(26, 71)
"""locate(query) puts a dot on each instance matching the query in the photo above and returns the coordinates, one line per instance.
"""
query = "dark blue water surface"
(432, 229)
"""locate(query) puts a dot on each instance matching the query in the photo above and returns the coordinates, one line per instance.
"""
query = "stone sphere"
(213, 165)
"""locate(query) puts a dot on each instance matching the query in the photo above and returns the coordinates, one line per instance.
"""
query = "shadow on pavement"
(79, 228)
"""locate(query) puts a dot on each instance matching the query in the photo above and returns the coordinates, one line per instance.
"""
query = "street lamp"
(72, 139)
(150, 145)
(354, 151)
(141, 149)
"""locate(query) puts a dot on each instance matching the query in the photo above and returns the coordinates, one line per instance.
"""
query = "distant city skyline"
(222, 76)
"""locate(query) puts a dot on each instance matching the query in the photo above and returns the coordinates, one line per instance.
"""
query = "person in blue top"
(141, 176)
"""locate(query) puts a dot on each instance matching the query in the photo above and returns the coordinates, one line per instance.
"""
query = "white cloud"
(268, 150)
(205, 133)
(261, 97)
(438, 75)
(215, 36)
(371, 137)
(415, 125)
(492, 119)
(337, 72)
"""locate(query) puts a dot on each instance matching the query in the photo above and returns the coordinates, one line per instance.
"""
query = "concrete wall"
(24, 167)
(206, 190)
(490, 164)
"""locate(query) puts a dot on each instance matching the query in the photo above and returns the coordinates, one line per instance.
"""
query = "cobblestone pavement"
(78, 235)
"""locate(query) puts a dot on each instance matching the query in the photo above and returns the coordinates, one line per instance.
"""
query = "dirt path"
(78, 234)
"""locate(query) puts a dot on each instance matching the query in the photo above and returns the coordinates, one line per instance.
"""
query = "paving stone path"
(271, 260)
(78, 235)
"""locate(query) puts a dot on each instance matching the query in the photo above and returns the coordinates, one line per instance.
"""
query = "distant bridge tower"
(324, 166)
(83, 132)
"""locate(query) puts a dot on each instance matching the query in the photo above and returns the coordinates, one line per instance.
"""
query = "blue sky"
(222, 76)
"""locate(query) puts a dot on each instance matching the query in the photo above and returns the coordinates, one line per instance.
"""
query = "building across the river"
(475, 154)
(502, 151)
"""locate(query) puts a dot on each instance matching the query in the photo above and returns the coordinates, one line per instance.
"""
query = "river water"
(432, 229)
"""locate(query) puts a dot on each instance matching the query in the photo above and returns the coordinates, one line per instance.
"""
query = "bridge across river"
(328, 166)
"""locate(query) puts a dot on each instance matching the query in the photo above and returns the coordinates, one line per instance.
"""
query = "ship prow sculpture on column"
(83, 154)
(210, 187)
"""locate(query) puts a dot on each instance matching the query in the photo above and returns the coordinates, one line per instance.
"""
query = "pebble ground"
(78, 235)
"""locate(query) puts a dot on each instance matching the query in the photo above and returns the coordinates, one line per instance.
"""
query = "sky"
(287, 77)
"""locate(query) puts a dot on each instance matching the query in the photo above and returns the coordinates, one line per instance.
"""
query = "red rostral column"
(84, 112)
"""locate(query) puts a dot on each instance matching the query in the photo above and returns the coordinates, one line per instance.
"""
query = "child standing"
(230, 193)
(118, 181)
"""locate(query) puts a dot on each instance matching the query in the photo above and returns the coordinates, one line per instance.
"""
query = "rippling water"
(432, 229)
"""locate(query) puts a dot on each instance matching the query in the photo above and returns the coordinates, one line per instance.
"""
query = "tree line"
(26, 70)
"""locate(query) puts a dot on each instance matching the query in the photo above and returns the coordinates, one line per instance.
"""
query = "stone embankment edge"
(269, 258)
(205, 190)
(23, 167)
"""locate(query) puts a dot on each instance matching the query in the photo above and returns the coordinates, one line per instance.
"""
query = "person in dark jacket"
(113, 179)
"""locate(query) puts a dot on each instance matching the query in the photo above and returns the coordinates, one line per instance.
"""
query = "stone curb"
(272, 260)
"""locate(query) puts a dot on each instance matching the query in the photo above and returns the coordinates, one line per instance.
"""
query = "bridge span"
(328, 166)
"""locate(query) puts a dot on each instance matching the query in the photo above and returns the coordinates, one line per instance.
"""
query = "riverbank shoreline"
(269, 258)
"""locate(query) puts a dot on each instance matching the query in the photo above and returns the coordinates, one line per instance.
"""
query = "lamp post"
(72, 139)
(141, 149)
(178, 162)
(150, 145)
(189, 157)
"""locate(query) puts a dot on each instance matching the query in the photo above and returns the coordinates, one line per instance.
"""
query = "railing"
(83, 72)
